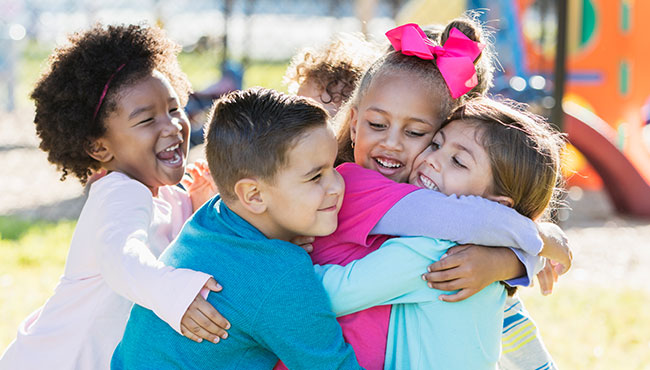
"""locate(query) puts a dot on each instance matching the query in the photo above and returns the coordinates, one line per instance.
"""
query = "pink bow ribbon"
(455, 59)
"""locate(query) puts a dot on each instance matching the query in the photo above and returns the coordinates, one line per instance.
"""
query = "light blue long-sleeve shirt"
(424, 332)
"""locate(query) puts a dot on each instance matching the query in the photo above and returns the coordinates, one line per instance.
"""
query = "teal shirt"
(277, 307)
(424, 332)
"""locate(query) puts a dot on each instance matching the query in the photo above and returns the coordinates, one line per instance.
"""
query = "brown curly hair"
(68, 92)
(336, 67)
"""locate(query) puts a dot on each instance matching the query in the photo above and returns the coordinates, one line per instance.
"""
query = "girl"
(113, 99)
(389, 120)
(329, 74)
(484, 149)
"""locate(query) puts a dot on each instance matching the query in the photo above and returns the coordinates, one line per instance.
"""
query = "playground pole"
(559, 73)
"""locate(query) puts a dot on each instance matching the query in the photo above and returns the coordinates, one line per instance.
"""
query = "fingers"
(546, 281)
(213, 285)
(455, 249)
(456, 297)
(304, 242)
(186, 181)
(188, 334)
(194, 330)
(449, 262)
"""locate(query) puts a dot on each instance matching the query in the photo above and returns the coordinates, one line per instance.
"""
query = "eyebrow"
(471, 154)
(314, 171)
(416, 119)
(140, 110)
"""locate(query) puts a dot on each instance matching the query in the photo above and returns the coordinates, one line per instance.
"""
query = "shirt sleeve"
(296, 323)
(464, 219)
(129, 267)
(368, 196)
(389, 275)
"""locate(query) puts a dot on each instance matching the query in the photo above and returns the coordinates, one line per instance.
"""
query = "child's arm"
(199, 184)
(392, 274)
(129, 267)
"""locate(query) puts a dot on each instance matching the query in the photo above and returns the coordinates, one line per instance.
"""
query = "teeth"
(172, 148)
(389, 164)
(428, 183)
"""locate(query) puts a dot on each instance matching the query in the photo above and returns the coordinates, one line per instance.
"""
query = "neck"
(261, 222)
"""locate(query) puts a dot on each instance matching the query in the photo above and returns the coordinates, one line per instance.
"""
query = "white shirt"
(112, 262)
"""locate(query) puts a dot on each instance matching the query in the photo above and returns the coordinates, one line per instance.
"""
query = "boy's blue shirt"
(275, 304)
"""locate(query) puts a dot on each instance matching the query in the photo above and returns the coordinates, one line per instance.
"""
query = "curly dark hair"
(69, 91)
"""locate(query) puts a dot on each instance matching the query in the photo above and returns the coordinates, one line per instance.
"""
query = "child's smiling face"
(455, 162)
(394, 121)
(305, 196)
(147, 136)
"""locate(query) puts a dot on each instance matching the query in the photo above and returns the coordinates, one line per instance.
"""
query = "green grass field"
(585, 327)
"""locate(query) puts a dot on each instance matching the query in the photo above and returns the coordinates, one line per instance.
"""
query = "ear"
(353, 123)
(249, 194)
(98, 151)
(502, 199)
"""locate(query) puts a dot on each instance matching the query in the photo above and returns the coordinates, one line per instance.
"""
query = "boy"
(272, 157)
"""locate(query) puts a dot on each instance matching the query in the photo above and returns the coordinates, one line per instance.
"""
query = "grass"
(584, 327)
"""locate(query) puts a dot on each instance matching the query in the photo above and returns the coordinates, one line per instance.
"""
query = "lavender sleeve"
(465, 220)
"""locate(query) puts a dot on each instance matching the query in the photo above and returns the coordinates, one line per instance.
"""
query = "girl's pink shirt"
(365, 202)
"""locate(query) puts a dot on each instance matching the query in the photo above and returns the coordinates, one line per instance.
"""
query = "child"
(485, 149)
(386, 124)
(329, 74)
(274, 186)
(113, 100)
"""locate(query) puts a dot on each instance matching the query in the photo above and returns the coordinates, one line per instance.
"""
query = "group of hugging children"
(378, 217)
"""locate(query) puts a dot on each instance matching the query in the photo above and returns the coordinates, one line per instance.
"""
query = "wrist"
(509, 265)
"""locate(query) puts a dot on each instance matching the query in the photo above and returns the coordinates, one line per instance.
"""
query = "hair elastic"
(108, 83)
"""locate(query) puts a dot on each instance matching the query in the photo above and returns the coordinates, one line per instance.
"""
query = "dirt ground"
(608, 248)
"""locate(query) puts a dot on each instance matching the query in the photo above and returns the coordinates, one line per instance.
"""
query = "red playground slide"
(594, 138)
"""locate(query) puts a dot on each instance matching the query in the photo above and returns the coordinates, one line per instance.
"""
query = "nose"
(393, 141)
(336, 184)
(433, 158)
(172, 126)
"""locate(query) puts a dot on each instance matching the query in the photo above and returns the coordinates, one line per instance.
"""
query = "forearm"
(389, 275)
(465, 220)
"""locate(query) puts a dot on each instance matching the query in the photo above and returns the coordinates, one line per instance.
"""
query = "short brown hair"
(251, 131)
(427, 70)
(524, 152)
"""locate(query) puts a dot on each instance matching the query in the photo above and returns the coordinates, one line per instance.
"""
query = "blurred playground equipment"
(605, 92)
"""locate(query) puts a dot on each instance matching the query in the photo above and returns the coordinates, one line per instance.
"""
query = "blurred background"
(590, 55)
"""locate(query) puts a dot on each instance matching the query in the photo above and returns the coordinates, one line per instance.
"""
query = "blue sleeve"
(389, 275)
(465, 220)
(297, 324)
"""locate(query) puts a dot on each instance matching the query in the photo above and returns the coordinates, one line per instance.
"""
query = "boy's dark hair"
(69, 91)
(427, 70)
(251, 131)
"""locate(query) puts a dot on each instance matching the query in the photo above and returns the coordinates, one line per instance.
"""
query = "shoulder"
(118, 183)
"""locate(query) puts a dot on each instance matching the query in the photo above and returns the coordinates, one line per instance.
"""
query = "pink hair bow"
(455, 59)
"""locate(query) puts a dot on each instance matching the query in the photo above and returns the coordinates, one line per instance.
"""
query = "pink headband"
(101, 98)
(455, 59)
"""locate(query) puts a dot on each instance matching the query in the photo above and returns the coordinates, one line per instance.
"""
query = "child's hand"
(556, 247)
(199, 184)
(547, 277)
(202, 321)
(468, 268)
(304, 242)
